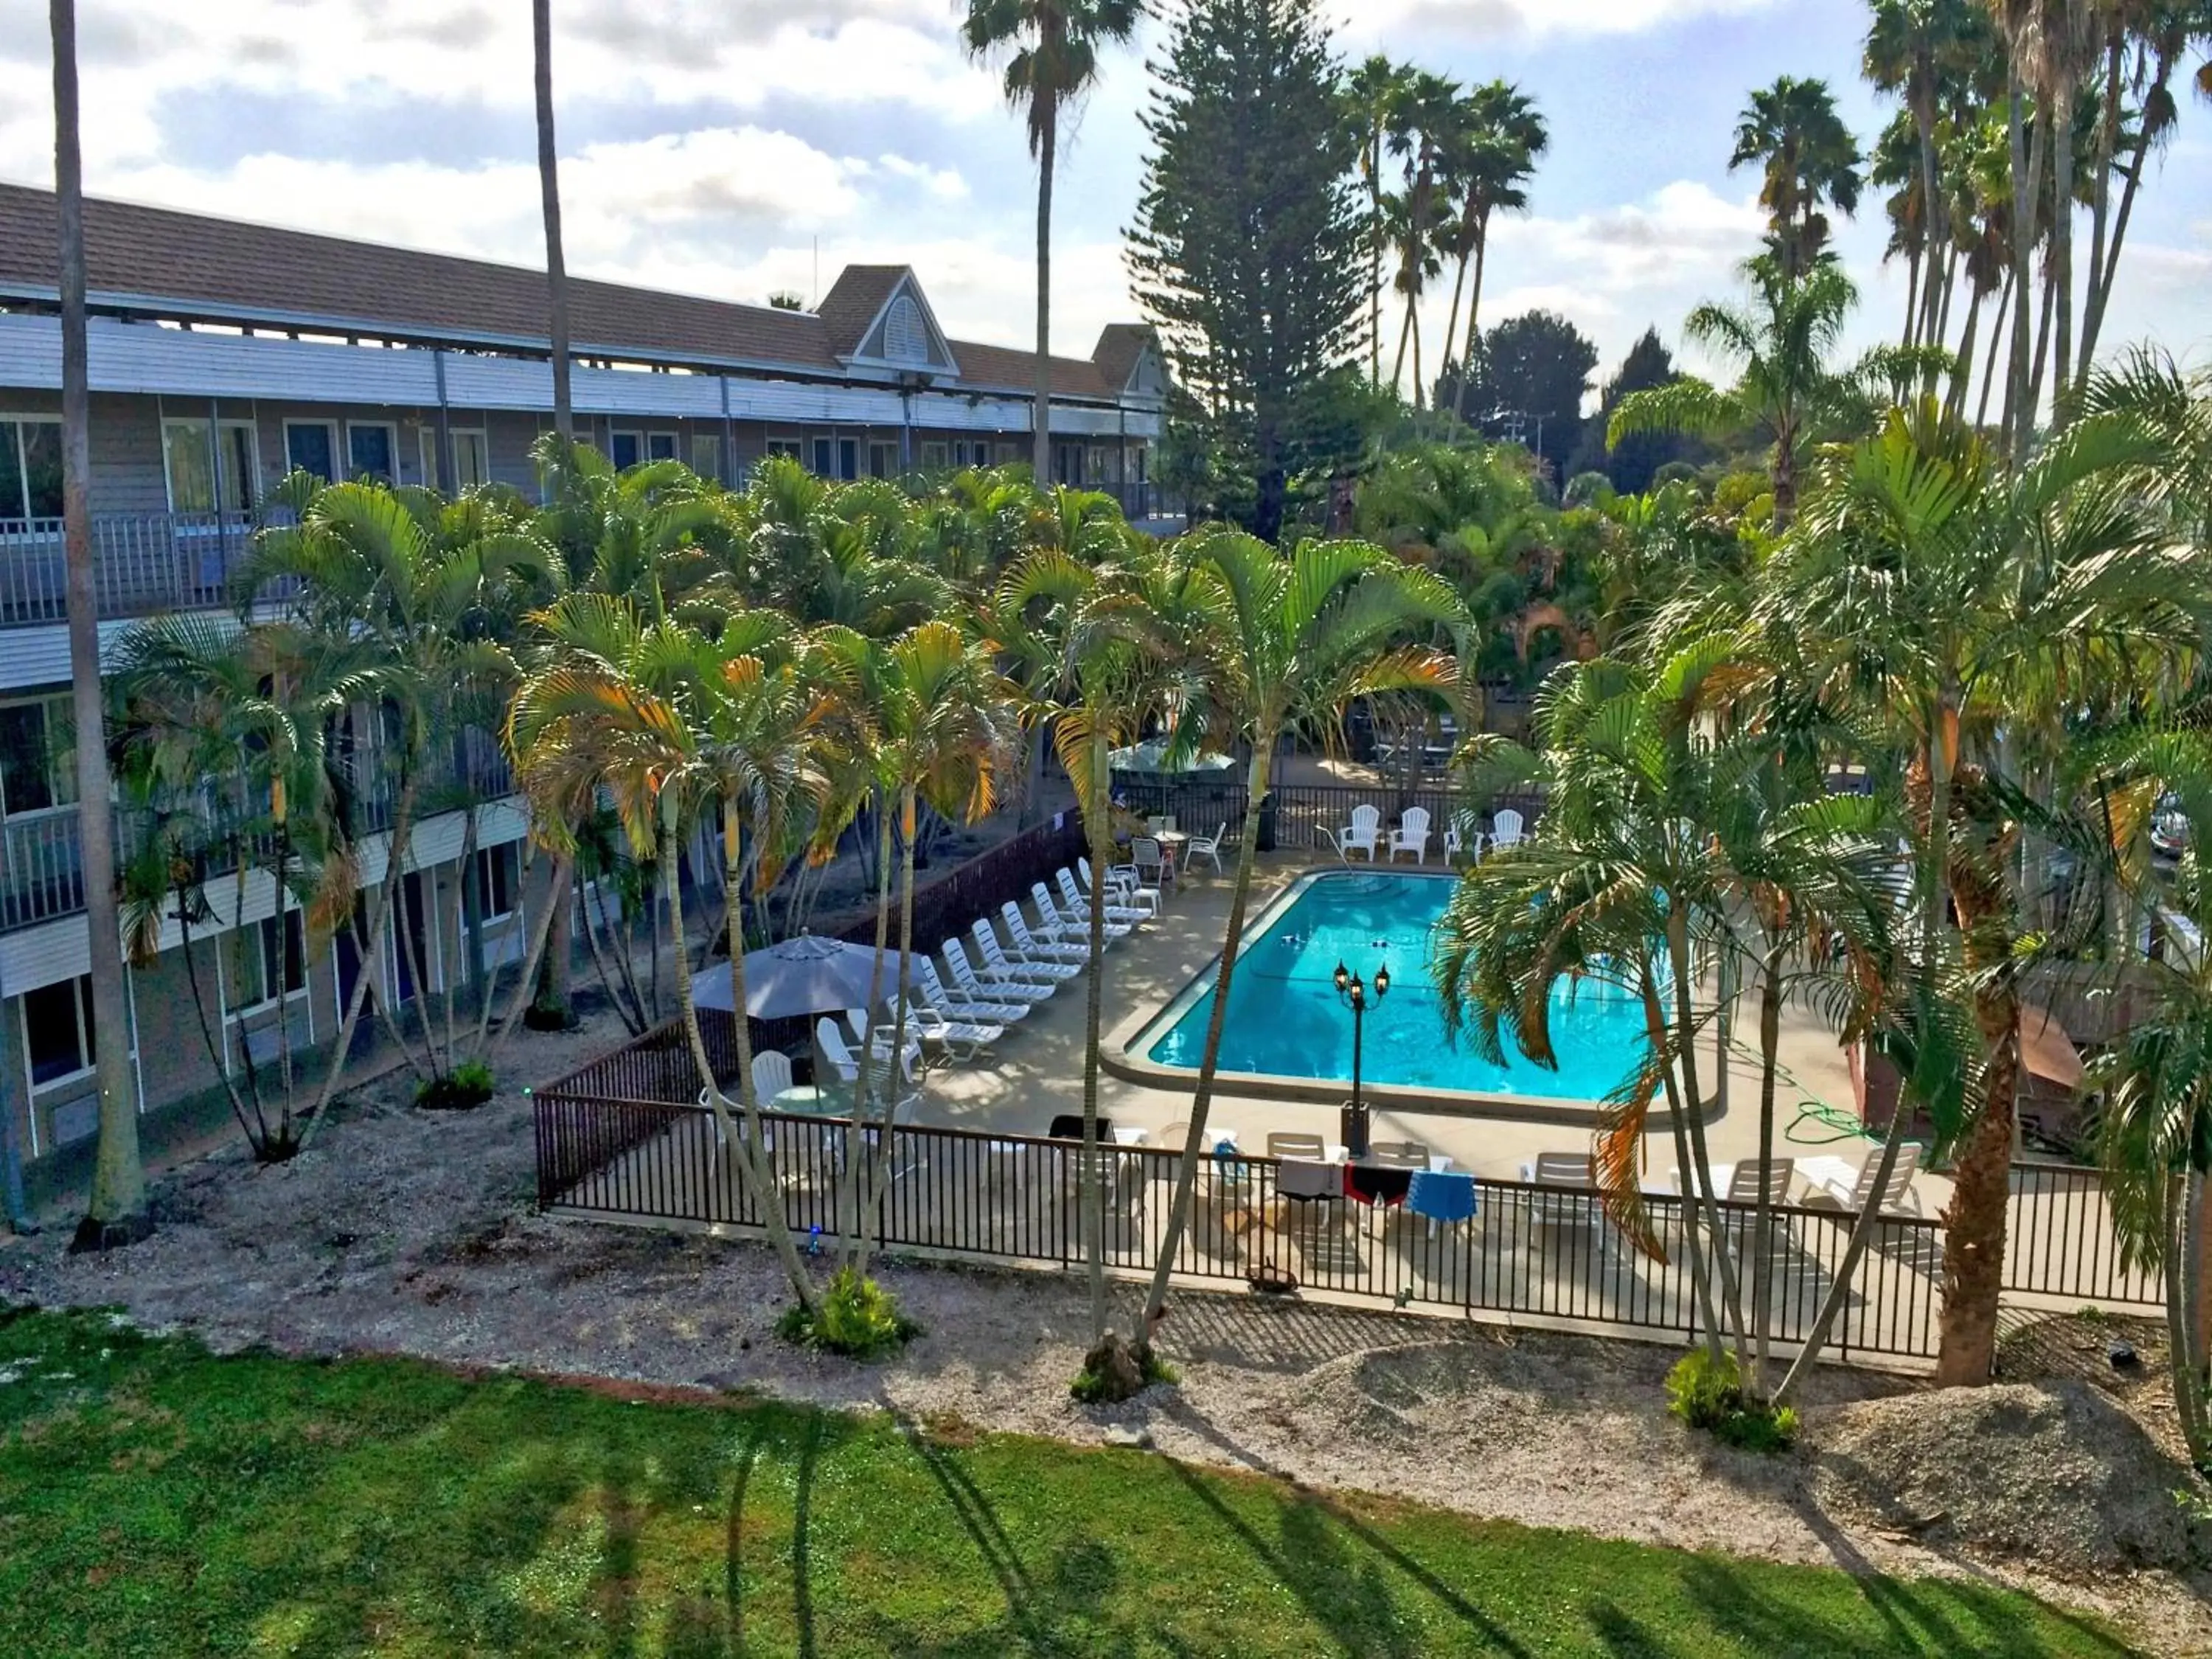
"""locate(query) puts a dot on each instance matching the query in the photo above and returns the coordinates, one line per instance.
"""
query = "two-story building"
(224, 355)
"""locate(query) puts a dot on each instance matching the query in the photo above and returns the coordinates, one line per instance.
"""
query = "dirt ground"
(411, 1232)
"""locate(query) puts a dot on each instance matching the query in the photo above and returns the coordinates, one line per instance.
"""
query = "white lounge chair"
(1411, 835)
(1145, 906)
(1208, 848)
(1738, 1183)
(1362, 833)
(1076, 926)
(1831, 1183)
(957, 1039)
(876, 1037)
(836, 1054)
(1505, 830)
(964, 975)
(997, 964)
(957, 1004)
(1028, 947)
(1576, 1208)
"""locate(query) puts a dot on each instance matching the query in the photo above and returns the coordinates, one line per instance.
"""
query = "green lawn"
(157, 1501)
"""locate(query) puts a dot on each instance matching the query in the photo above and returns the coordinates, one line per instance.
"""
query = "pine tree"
(1248, 251)
(1633, 464)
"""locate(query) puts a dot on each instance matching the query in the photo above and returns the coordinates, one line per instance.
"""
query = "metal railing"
(2060, 1241)
(1535, 1251)
(1305, 818)
(143, 563)
(41, 869)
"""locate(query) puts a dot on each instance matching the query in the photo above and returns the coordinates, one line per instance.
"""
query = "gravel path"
(411, 1232)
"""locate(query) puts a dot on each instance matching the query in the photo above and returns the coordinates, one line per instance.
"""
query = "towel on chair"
(1302, 1178)
(1442, 1195)
(1376, 1184)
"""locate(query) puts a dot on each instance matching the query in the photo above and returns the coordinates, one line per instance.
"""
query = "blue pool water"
(1285, 1019)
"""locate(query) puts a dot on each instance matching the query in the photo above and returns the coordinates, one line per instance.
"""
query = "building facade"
(224, 355)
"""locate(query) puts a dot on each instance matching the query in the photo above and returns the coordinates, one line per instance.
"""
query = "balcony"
(143, 563)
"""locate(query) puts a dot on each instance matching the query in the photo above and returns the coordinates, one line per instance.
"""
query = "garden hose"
(1840, 1125)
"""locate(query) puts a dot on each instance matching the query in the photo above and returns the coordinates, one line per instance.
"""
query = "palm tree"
(1426, 121)
(1785, 391)
(1372, 93)
(115, 1211)
(548, 186)
(1811, 161)
(1304, 633)
(1054, 46)
(1953, 606)
(1913, 46)
(1505, 135)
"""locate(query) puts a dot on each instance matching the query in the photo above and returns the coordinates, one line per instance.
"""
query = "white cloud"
(1458, 20)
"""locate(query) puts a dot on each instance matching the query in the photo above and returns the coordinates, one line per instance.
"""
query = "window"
(974, 453)
(848, 458)
(707, 455)
(38, 758)
(784, 448)
(499, 880)
(57, 1030)
(934, 457)
(825, 457)
(30, 469)
(883, 460)
(625, 449)
(372, 452)
(205, 474)
(471, 459)
(472, 462)
(312, 446)
(660, 446)
(270, 956)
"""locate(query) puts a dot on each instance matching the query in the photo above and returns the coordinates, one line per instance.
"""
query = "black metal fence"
(2060, 1241)
(1538, 1251)
(1306, 818)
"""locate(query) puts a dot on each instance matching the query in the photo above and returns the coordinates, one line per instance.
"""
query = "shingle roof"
(1120, 345)
(247, 272)
(854, 298)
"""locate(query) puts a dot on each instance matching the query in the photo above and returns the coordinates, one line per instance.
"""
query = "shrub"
(1708, 1393)
(857, 1318)
(1110, 1369)
(469, 1084)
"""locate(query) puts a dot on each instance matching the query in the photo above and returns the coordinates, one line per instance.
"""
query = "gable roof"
(1119, 346)
(201, 268)
(855, 300)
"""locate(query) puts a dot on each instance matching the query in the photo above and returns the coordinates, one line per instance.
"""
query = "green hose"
(1840, 1125)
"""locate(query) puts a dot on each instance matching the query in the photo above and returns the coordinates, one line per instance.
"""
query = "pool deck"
(1035, 1072)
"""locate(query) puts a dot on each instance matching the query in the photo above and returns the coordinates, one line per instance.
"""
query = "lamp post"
(1352, 989)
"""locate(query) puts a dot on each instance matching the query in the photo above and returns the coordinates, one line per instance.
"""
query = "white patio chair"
(1506, 827)
(771, 1075)
(1411, 835)
(1152, 866)
(1208, 848)
(997, 962)
(1576, 1208)
(1164, 824)
(1832, 1184)
(1138, 906)
(1076, 926)
(1461, 836)
(1362, 833)
(836, 1053)
(1738, 1183)
(957, 1004)
(1028, 947)
(958, 1040)
(876, 1038)
(963, 975)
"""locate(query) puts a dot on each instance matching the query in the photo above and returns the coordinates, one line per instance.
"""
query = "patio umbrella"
(808, 974)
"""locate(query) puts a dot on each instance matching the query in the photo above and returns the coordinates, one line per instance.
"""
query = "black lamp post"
(1350, 988)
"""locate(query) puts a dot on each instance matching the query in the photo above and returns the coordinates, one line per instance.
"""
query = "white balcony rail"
(143, 563)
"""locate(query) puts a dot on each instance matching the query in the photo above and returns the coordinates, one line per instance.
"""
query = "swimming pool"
(1286, 1020)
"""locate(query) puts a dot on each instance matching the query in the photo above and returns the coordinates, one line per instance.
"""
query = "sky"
(734, 148)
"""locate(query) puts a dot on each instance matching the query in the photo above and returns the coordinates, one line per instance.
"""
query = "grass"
(154, 1500)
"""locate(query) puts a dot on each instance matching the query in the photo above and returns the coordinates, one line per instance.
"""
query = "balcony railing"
(143, 563)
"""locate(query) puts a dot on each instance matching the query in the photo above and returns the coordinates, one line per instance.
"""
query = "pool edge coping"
(1119, 1057)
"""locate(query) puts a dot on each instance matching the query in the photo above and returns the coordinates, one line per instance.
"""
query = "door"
(370, 452)
(625, 449)
(309, 447)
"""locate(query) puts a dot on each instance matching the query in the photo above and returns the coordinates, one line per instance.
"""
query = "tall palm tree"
(1810, 162)
(1372, 93)
(1505, 134)
(1786, 390)
(1426, 121)
(1304, 633)
(1912, 48)
(115, 1212)
(1054, 46)
(549, 187)
(1954, 604)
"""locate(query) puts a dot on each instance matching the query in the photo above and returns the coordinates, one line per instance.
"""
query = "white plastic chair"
(1152, 866)
(1062, 925)
(1029, 948)
(771, 1075)
(958, 1003)
(998, 962)
(1573, 1171)
(1412, 836)
(1140, 905)
(957, 1039)
(1208, 848)
(1362, 833)
(965, 977)
(1832, 1184)
(834, 1053)
(1506, 827)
